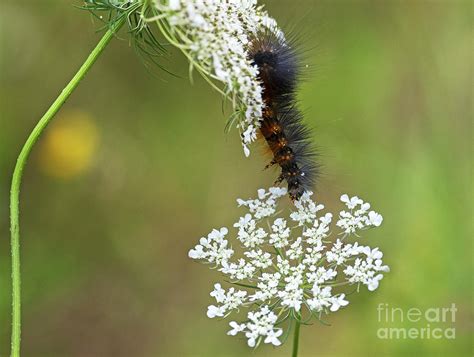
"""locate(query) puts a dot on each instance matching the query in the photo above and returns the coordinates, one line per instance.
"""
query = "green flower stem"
(296, 336)
(17, 174)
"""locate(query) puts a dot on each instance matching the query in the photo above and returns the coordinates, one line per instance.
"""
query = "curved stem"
(16, 181)
(296, 337)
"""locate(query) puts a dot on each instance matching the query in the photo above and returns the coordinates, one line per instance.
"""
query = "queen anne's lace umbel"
(290, 269)
(215, 36)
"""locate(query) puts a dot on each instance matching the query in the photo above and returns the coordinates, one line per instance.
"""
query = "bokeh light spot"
(69, 144)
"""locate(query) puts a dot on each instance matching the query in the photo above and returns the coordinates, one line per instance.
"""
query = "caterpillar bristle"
(281, 124)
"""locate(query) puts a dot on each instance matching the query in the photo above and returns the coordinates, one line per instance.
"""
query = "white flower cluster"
(289, 267)
(214, 35)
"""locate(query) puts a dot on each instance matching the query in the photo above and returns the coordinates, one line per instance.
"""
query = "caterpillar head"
(295, 191)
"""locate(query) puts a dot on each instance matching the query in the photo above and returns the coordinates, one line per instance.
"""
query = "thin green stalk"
(17, 174)
(296, 336)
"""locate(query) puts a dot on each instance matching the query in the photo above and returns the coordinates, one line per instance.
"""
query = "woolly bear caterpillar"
(281, 124)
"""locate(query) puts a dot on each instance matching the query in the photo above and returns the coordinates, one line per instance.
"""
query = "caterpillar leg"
(273, 162)
(279, 180)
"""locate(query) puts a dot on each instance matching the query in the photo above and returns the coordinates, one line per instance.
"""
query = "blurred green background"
(136, 167)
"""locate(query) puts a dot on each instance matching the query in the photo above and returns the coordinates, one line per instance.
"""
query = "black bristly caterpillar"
(281, 124)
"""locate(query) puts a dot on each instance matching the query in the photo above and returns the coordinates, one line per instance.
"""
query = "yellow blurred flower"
(69, 144)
